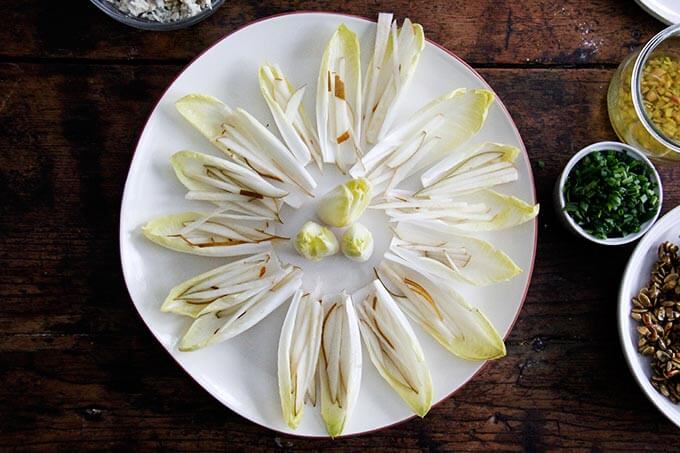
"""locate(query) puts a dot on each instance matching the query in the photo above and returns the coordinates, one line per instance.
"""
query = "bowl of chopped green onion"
(608, 193)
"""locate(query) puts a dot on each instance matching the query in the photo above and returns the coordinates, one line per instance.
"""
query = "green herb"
(610, 194)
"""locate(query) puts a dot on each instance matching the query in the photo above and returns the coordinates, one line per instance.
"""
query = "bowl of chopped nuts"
(158, 15)
(649, 314)
(608, 193)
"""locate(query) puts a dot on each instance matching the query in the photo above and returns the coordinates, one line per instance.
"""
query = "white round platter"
(241, 372)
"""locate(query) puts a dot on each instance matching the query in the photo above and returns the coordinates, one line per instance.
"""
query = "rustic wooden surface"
(78, 369)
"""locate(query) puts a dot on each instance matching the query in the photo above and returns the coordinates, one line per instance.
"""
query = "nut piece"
(656, 308)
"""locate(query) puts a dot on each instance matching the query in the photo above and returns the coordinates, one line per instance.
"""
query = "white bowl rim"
(630, 352)
(608, 146)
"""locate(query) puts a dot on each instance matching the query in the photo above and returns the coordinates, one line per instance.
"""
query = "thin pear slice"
(449, 256)
(222, 325)
(393, 347)
(394, 61)
(207, 235)
(339, 370)
(436, 130)
(298, 354)
(443, 313)
(285, 104)
(338, 100)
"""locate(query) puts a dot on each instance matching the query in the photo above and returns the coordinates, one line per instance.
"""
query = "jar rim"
(635, 86)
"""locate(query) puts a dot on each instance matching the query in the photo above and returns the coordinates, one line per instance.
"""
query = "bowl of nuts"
(649, 314)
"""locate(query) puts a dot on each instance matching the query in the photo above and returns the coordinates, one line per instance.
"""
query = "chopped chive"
(610, 194)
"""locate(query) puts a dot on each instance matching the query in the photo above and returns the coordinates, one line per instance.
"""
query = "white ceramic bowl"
(560, 202)
(637, 275)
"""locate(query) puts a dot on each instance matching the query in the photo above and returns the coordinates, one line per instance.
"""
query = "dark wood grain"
(79, 370)
(512, 32)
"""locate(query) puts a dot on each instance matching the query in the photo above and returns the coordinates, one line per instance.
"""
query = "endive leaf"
(285, 104)
(219, 326)
(338, 99)
(244, 139)
(298, 354)
(457, 164)
(225, 286)
(206, 114)
(483, 210)
(433, 132)
(202, 172)
(444, 314)
(445, 256)
(393, 347)
(339, 369)
(207, 235)
(394, 61)
(243, 129)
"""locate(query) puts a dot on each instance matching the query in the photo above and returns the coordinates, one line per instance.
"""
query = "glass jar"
(644, 97)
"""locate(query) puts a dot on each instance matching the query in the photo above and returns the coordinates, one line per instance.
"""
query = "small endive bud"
(315, 242)
(357, 243)
(345, 204)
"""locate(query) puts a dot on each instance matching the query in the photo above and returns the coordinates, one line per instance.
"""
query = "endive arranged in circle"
(482, 210)
(448, 257)
(394, 61)
(339, 369)
(239, 135)
(208, 234)
(480, 167)
(285, 104)
(429, 135)
(338, 100)
(442, 312)
(229, 185)
(225, 323)
(393, 347)
(299, 346)
(226, 286)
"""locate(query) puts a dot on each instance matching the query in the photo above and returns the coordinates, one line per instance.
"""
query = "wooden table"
(78, 369)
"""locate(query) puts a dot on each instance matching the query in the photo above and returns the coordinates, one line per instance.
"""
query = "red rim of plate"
(531, 181)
